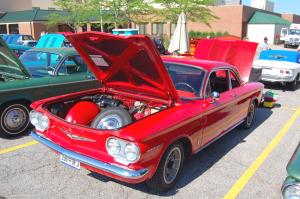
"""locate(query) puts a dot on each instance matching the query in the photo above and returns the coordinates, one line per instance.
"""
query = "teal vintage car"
(39, 73)
(291, 186)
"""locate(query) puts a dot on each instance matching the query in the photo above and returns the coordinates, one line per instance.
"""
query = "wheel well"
(187, 146)
(21, 101)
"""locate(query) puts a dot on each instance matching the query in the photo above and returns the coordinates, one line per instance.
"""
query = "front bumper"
(270, 78)
(121, 172)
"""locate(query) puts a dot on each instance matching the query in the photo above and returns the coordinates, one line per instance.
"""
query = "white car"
(279, 66)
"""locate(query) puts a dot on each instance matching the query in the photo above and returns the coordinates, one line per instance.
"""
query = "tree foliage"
(195, 10)
(120, 12)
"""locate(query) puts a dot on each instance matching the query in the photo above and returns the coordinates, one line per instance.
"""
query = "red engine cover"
(83, 113)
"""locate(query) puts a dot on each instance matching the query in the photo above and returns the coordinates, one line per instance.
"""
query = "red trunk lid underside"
(237, 53)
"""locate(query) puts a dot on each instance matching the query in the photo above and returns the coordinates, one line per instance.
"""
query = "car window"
(40, 64)
(27, 37)
(218, 82)
(234, 80)
(186, 78)
(72, 65)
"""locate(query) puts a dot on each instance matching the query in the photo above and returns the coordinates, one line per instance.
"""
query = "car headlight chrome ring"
(291, 191)
(40, 121)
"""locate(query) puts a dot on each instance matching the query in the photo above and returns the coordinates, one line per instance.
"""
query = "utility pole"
(101, 17)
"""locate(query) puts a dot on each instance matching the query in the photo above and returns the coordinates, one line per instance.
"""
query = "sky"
(287, 6)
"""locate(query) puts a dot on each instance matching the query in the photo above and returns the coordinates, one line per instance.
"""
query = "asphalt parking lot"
(244, 163)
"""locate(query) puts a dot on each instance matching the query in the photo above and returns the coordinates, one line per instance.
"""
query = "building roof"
(29, 15)
(264, 18)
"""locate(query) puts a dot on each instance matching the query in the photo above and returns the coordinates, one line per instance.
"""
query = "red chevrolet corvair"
(152, 112)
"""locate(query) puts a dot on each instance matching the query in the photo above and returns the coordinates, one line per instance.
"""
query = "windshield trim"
(202, 83)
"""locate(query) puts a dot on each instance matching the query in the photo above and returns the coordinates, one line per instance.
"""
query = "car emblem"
(75, 137)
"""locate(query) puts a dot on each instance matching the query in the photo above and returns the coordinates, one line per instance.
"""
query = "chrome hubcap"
(172, 165)
(250, 115)
(14, 119)
(110, 122)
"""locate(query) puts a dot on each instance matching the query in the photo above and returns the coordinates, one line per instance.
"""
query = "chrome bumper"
(113, 169)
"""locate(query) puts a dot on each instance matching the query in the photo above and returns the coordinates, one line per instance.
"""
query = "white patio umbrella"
(179, 41)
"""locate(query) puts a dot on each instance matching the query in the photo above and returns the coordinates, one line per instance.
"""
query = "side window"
(234, 80)
(72, 65)
(218, 81)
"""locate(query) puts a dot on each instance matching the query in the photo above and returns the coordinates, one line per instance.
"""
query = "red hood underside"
(237, 53)
(129, 64)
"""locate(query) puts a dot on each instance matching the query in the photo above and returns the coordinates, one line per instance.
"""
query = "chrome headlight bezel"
(126, 148)
(40, 121)
(289, 188)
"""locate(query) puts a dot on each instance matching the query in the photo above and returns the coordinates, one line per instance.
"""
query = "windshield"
(188, 80)
(40, 64)
(294, 32)
(8, 62)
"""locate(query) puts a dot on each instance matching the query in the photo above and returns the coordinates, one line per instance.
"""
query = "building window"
(13, 28)
(142, 28)
(158, 28)
(3, 29)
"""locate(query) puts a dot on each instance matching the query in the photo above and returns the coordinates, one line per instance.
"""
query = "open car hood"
(130, 64)
(9, 63)
(237, 53)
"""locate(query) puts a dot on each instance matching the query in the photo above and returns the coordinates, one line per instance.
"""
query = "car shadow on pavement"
(204, 160)
(278, 86)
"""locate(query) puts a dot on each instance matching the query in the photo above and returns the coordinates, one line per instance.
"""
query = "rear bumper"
(121, 173)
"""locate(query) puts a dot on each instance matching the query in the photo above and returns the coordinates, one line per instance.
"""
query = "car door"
(240, 97)
(72, 75)
(218, 113)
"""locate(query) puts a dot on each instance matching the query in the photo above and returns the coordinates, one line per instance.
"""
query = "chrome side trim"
(113, 169)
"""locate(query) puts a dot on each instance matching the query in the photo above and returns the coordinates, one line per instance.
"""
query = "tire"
(14, 120)
(293, 85)
(115, 118)
(247, 124)
(161, 181)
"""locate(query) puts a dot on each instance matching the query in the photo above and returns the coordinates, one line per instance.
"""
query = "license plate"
(69, 161)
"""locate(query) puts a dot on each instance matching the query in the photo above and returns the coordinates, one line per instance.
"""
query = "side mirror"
(215, 96)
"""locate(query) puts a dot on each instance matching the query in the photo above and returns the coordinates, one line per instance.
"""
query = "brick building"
(31, 22)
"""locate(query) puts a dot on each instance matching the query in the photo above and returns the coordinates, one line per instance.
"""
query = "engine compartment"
(104, 111)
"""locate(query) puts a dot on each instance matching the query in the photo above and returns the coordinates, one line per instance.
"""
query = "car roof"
(189, 60)
(63, 51)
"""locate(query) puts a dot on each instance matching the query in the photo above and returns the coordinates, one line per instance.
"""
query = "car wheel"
(293, 85)
(168, 170)
(14, 120)
(112, 118)
(250, 116)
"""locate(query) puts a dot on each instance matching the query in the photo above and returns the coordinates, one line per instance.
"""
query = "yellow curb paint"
(243, 180)
(18, 147)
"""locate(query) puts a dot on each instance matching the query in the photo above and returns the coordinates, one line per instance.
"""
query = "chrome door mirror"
(215, 96)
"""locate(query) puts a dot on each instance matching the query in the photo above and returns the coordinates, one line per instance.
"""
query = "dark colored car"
(40, 73)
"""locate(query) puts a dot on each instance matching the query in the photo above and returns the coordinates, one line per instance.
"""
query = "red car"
(152, 112)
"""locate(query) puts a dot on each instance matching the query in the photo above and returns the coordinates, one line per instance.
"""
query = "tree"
(78, 12)
(195, 10)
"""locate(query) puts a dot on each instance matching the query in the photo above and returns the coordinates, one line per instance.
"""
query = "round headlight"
(113, 147)
(34, 118)
(291, 191)
(44, 122)
(132, 152)
(39, 121)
